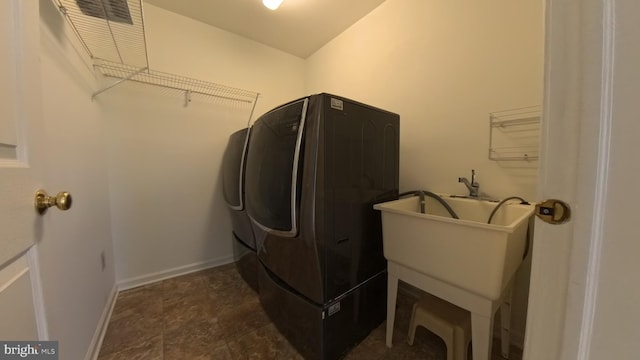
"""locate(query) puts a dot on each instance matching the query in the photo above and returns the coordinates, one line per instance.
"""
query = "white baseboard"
(169, 273)
(98, 337)
(101, 329)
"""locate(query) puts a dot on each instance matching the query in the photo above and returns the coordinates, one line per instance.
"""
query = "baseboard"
(169, 273)
(101, 329)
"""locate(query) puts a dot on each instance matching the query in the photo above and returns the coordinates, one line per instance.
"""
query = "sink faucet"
(473, 186)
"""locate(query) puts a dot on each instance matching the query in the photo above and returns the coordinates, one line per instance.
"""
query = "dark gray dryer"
(244, 243)
(315, 167)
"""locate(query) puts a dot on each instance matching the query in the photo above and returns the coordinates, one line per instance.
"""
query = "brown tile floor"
(213, 314)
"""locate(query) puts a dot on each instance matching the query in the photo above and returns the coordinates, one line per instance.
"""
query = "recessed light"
(272, 4)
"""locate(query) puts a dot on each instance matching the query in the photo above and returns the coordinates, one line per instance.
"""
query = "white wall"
(76, 289)
(183, 46)
(443, 66)
(168, 213)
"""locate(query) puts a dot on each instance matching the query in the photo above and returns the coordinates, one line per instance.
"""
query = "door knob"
(553, 211)
(43, 201)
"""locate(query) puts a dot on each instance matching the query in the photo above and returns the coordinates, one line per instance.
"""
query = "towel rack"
(514, 134)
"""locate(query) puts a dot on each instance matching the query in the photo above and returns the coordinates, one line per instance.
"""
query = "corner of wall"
(103, 323)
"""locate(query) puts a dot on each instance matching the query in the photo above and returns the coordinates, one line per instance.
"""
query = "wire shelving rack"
(112, 33)
(515, 134)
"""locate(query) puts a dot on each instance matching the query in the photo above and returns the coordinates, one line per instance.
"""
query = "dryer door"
(233, 169)
(273, 160)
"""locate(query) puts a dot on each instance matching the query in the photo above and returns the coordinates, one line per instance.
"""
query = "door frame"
(578, 101)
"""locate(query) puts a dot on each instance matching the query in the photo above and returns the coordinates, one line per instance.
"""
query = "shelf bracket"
(118, 82)
(187, 97)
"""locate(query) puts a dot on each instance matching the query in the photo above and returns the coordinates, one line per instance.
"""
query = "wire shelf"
(526, 153)
(520, 116)
(171, 81)
(515, 134)
(112, 33)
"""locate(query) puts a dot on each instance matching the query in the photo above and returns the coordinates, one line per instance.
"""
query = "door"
(584, 297)
(19, 164)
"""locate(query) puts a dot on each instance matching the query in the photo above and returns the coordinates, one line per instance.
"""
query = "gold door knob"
(553, 211)
(43, 201)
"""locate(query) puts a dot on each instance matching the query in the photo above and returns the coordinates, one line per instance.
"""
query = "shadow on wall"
(51, 17)
(218, 229)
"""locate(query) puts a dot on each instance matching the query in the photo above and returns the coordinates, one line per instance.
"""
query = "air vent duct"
(112, 10)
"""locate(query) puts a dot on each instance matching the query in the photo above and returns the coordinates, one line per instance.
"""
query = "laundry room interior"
(144, 162)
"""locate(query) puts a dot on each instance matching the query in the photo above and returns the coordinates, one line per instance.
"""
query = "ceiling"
(298, 27)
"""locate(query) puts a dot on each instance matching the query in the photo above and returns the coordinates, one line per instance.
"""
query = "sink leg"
(481, 329)
(392, 294)
(505, 320)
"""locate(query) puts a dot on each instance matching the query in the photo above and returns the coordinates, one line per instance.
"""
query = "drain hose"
(523, 202)
(422, 193)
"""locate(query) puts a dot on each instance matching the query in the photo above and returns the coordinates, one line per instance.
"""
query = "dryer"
(233, 171)
(315, 167)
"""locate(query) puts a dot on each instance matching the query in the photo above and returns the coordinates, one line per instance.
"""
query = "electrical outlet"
(103, 261)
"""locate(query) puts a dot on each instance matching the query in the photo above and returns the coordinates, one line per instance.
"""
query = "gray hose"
(528, 235)
(422, 193)
(522, 201)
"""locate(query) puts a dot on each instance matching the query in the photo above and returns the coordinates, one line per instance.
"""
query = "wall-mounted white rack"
(515, 134)
(112, 34)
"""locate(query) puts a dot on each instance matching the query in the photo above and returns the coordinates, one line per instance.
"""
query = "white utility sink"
(466, 252)
(465, 261)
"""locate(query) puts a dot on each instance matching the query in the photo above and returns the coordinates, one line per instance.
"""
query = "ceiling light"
(272, 4)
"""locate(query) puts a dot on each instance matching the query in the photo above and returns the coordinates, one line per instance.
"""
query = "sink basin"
(467, 253)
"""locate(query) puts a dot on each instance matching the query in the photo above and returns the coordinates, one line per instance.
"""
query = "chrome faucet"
(473, 186)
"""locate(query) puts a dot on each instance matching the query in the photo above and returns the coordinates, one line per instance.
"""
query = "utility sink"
(467, 253)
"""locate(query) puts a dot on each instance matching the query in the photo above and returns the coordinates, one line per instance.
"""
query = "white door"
(584, 293)
(19, 166)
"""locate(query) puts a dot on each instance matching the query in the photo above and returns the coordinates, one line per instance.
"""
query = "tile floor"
(213, 314)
